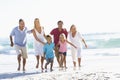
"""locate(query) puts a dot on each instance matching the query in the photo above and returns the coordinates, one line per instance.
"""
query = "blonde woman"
(76, 38)
(39, 41)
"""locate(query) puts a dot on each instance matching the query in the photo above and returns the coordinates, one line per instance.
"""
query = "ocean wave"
(94, 41)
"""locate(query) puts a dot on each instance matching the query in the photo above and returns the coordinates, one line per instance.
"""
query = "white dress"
(37, 45)
(76, 40)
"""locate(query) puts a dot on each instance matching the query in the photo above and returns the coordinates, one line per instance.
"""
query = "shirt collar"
(21, 30)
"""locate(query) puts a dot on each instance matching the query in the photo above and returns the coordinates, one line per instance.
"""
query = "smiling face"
(21, 25)
(62, 37)
(36, 22)
(49, 39)
(60, 24)
(73, 29)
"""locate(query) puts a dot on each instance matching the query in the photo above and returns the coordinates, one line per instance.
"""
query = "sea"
(104, 44)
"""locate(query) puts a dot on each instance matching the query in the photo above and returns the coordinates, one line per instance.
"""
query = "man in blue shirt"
(19, 34)
(48, 51)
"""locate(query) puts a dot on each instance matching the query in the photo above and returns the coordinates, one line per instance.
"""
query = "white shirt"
(76, 40)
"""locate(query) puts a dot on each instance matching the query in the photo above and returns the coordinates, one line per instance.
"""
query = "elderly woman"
(76, 38)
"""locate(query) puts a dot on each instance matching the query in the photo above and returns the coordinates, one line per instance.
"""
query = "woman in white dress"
(76, 38)
(39, 41)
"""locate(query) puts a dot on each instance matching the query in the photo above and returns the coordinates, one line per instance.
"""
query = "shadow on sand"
(14, 75)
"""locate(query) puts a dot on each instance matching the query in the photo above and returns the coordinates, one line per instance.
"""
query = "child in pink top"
(63, 49)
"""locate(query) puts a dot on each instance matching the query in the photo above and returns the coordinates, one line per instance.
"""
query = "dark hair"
(48, 36)
(60, 22)
(21, 20)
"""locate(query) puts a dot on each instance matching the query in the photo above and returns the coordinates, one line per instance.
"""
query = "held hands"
(43, 43)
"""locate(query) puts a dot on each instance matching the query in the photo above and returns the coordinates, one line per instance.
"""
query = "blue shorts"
(49, 60)
(64, 53)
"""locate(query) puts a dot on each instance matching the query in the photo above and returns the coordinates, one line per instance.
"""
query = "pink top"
(63, 46)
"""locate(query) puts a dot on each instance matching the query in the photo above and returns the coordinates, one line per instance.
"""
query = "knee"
(24, 59)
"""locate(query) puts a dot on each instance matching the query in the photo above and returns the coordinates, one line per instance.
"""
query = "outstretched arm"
(35, 36)
(84, 42)
(71, 44)
(45, 36)
(30, 31)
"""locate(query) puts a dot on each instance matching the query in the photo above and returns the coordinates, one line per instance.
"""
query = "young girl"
(39, 36)
(63, 49)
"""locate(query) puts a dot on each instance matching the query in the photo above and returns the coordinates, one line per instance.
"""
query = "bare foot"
(51, 70)
(45, 70)
(23, 69)
(60, 68)
(37, 65)
(65, 67)
(42, 69)
(18, 69)
(79, 66)
(74, 68)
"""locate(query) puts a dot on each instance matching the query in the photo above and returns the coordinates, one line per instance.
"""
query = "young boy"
(48, 52)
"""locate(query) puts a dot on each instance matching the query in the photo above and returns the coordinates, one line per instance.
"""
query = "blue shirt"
(19, 36)
(48, 50)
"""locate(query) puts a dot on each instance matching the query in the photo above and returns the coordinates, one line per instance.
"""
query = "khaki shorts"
(21, 50)
(57, 52)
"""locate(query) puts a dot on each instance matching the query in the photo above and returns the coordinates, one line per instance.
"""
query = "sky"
(89, 16)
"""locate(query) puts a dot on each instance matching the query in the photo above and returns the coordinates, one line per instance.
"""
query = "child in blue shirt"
(48, 52)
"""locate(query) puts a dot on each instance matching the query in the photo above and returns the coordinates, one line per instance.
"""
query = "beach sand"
(92, 68)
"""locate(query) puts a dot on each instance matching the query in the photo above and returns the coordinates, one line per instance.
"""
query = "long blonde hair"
(35, 22)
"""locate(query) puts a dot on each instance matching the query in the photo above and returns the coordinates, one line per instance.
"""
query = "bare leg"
(46, 66)
(79, 62)
(60, 60)
(64, 61)
(37, 58)
(51, 69)
(42, 60)
(24, 62)
(74, 63)
(19, 61)
(57, 55)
